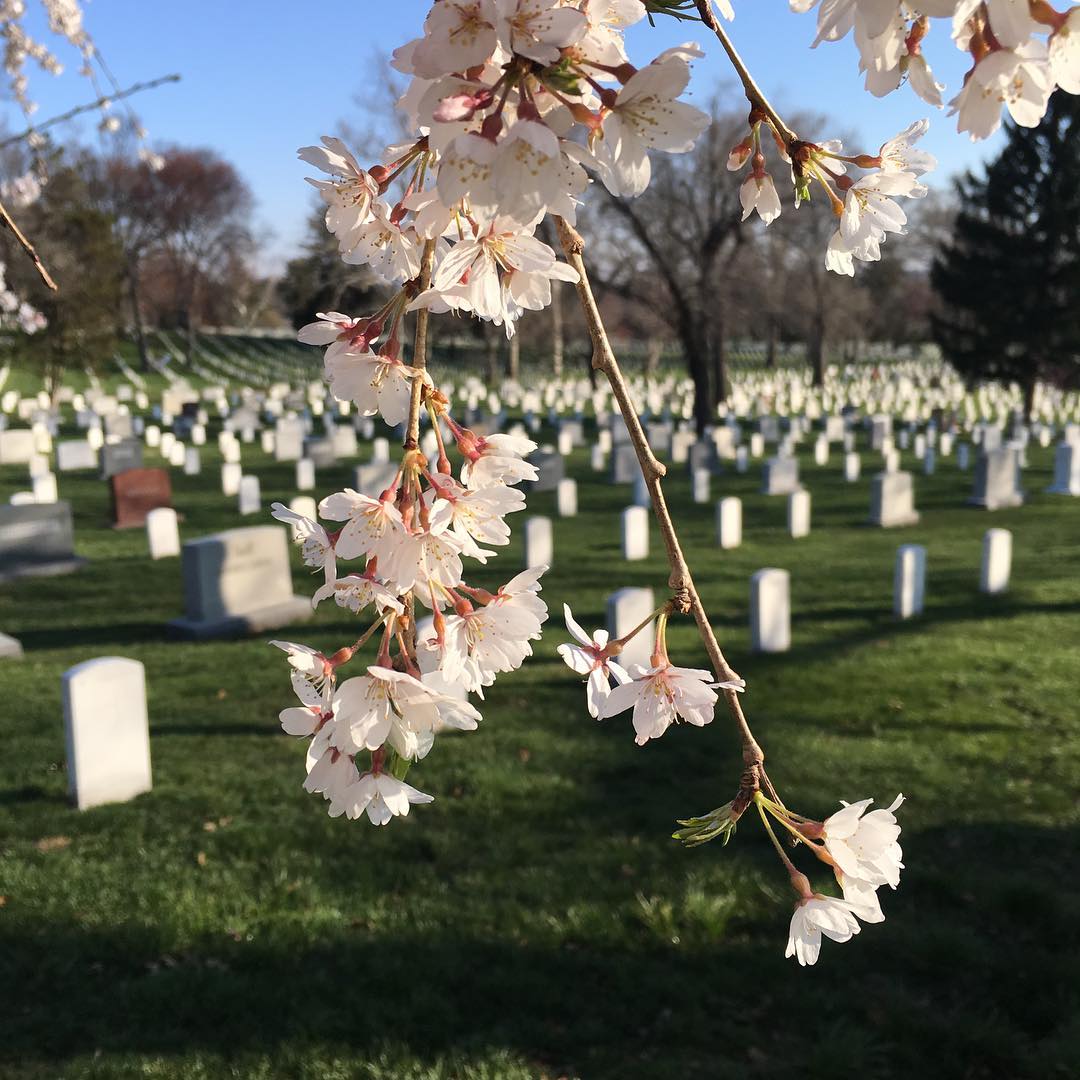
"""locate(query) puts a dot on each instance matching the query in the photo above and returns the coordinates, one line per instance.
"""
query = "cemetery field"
(537, 920)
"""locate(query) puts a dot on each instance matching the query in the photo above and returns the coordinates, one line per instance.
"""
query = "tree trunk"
(652, 357)
(817, 349)
(772, 333)
(136, 317)
(557, 342)
(695, 348)
(718, 362)
(513, 358)
(1029, 394)
(491, 341)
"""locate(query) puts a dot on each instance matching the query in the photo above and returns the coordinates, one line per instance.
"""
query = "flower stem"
(753, 92)
(684, 592)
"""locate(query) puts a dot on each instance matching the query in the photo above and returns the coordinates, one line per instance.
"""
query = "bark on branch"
(684, 592)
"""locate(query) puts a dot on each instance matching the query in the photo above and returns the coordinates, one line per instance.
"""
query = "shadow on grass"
(974, 976)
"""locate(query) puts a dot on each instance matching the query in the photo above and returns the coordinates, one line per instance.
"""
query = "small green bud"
(700, 830)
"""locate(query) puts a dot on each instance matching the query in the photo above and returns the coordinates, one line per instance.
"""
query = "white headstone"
(162, 533)
(597, 458)
(996, 561)
(230, 478)
(729, 522)
(742, 459)
(45, 488)
(852, 467)
(305, 474)
(380, 450)
(1066, 470)
(780, 476)
(701, 485)
(566, 497)
(997, 480)
(962, 455)
(641, 490)
(250, 497)
(75, 454)
(238, 581)
(539, 542)
(929, 461)
(627, 609)
(770, 611)
(192, 461)
(892, 500)
(909, 580)
(635, 533)
(106, 731)
(798, 514)
(821, 450)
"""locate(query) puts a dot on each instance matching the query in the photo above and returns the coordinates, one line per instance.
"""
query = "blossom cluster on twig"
(516, 107)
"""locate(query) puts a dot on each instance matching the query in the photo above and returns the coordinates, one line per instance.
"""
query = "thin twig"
(754, 92)
(419, 354)
(25, 244)
(681, 582)
(71, 113)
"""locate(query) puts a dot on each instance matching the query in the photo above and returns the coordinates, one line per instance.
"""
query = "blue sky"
(262, 78)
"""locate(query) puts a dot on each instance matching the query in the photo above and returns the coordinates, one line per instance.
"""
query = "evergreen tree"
(318, 280)
(1009, 277)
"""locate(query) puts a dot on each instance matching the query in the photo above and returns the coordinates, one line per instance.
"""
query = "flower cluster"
(865, 204)
(660, 694)
(860, 848)
(408, 542)
(1021, 51)
(515, 103)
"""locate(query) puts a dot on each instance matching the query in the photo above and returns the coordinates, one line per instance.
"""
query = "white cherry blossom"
(316, 548)
(349, 195)
(392, 252)
(382, 797)
(588, 658)
(759, 193)
(538, 29)
(864, 845)
(495, 459)
(356, 591)
(646, 115)
(373, 527)
(1018, 78)
(814, 916)
(1064, 53)
(374, 382)
(458, 34)
(661, 695)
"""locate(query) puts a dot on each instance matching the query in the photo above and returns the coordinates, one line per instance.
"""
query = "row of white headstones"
(104, 700)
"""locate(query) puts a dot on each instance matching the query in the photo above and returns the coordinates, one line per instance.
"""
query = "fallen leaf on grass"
(53, 843)
(201, 858)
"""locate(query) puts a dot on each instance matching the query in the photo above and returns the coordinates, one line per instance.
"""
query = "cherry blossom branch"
(681, 582)
(754, 93)
(8, 223)
(419, 354)
(105, 99)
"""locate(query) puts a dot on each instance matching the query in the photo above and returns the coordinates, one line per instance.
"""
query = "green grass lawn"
(537, 920)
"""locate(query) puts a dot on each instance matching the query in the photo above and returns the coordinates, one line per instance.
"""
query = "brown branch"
(754, 93)
(32, 255)
(419, 354)
(71, 113)
(681, 582)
